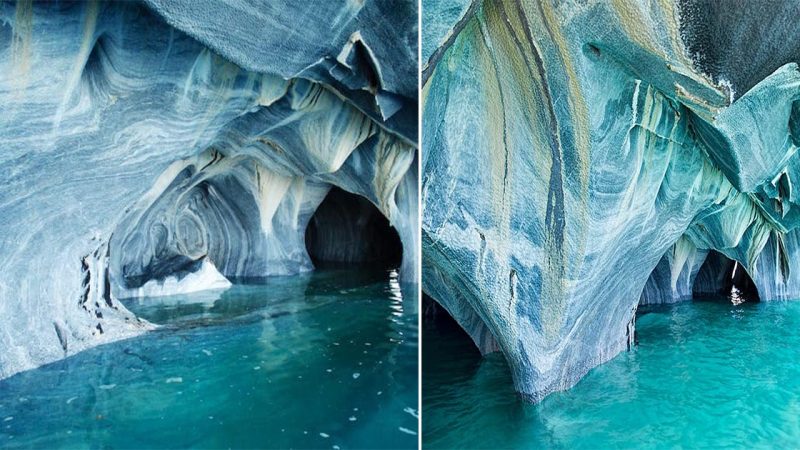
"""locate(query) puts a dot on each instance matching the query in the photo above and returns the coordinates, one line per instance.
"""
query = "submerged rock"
(174, 146)
(582, 157)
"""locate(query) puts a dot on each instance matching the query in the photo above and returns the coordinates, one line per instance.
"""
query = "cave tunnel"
(721, 276)
(442, 331)
(347, 229)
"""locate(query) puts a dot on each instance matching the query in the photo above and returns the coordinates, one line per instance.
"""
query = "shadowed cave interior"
(438, 323)
(213, 214)
(347, 229)
(721, 276)
(435, 317)
(719, 279)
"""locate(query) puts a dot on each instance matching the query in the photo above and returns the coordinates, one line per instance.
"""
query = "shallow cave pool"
(705, 374)
(323, 360)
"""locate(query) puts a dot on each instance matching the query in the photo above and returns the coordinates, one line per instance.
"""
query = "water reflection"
(329, 358)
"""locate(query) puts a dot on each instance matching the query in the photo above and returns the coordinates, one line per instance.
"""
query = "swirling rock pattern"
(617, 148)
(156, 149)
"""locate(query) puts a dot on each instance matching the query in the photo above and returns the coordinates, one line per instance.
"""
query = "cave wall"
(577, 160)
(146, 150)
(675, 275)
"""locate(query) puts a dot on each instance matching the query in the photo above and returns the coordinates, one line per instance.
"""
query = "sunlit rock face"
(581, 158)
(157, 149)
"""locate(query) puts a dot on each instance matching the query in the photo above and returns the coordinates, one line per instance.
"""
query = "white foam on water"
(175, 380)
(326, 436)
(352, 418)
(8, 419)
(107, 386)
(71, 399)
(407, 431)
(356, 375)
(411, 411)
(207, 352)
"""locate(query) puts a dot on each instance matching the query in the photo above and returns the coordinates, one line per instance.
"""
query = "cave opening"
(721, 276)
(442, 331)
(742, 287)
(348, 230)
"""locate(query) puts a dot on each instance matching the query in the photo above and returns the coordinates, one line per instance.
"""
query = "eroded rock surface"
(157, 149)
(582, 157)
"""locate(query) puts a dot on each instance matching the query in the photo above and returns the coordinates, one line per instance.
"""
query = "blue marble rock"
(173, 147)
(583, 158)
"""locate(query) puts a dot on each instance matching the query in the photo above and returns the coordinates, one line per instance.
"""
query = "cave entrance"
(742, 287)
(444, 336)
(347, 229)
(436, 319)
(721, 276)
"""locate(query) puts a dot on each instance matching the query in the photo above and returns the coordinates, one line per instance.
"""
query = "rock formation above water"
(168, 147)
(581, 158)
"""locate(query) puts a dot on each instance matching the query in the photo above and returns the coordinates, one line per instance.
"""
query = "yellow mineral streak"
(631, 18)
(87, 44)
(394, 159)
(580, 128)
(496, 238)
(21, 43)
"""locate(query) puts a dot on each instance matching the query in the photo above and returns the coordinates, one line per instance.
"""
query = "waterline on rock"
(731, 368)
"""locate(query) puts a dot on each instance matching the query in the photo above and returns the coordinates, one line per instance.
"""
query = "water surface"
(705, 374)
(324, 360)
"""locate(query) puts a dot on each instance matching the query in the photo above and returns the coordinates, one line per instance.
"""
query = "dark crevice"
(62, 337)
(94, 71)
(437, 55)
(592, 49)
(107, 290)
(348, 229)
(87, 278)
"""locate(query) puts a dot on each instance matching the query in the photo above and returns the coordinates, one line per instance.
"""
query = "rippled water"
(706, 374)
(324, 360)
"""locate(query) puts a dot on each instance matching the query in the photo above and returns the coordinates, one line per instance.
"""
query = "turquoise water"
(320, 361)
(704, 375)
